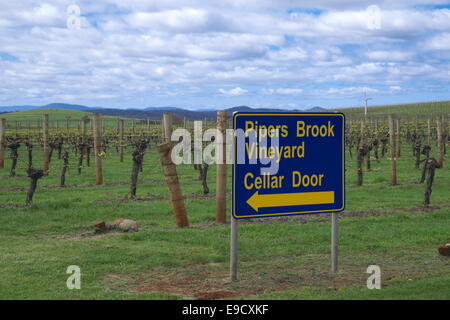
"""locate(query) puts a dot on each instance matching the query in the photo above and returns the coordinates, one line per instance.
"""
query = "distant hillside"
(37, 114)
(157, 113)
(4, 109)
(63, 106)
(248, 109)
(62, 110)
(317, 109)
(66, 106)
(423, 108)
(168, 108)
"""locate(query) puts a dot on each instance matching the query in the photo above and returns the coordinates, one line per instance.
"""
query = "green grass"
(419, 109)
(30, 122)
(31, 117)
(280, 258)
(37, 114)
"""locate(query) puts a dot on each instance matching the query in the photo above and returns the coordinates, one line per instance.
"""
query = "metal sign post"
(334, 242)
(233, 249)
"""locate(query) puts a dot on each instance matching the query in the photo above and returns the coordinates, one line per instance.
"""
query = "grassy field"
(413, 109)
(279, 258)
(37, 114)
(57, 117)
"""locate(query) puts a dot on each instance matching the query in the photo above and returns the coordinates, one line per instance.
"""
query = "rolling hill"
(60, 111)
(423, 108)
(37, 114)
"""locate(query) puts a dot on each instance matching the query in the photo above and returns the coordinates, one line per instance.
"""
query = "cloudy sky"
(214, 54)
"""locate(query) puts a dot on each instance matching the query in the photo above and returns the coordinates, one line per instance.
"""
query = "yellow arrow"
(257, 200)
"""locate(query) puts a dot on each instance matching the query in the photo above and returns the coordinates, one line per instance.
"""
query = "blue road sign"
(288, 164)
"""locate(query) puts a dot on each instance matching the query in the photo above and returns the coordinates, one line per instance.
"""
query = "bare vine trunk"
(64, 168)
(432, 164)
(34, 175)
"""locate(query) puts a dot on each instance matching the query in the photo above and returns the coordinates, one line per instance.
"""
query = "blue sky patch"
(8, 57)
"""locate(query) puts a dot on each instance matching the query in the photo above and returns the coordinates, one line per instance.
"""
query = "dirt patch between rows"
(88, 235)
(12, 205)
(155, 198)
(325, 217)
(211, 281)
(109, 184)
(407, 183)
(277, 274)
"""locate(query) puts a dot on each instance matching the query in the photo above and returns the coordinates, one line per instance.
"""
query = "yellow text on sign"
(315, 180)
(308, 130)
(268, 181)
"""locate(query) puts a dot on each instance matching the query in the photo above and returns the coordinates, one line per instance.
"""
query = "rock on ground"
(444, 250)
(125, 225)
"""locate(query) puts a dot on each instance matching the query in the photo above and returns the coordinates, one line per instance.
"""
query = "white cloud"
(183, 20)
(44, 14)
(438, 42)
(390, 55)
(138, 47)
(351, 91)
(233, 92)
(395, 89)
(282, 91)
(289, 54)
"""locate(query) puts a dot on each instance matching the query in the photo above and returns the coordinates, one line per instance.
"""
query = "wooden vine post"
(363, 132)
(397, 139)
(121, 133)
(440, 143)
(85, 121)
(84, 133)
(97, 150)
(170, 173)
(2, 142)
(167, 125)
(221, 175)
(173, 184)
(361, 153)
(429, 132)
(46, 161)
(393, 151)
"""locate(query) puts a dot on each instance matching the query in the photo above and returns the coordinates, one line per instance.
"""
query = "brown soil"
(12, 205)
(155, 198)
(349, 214)
(403, 183)
(110, 184)
(211, 280)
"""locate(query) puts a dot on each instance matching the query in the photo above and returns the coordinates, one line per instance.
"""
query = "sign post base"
(334, 242)
(233, 249)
